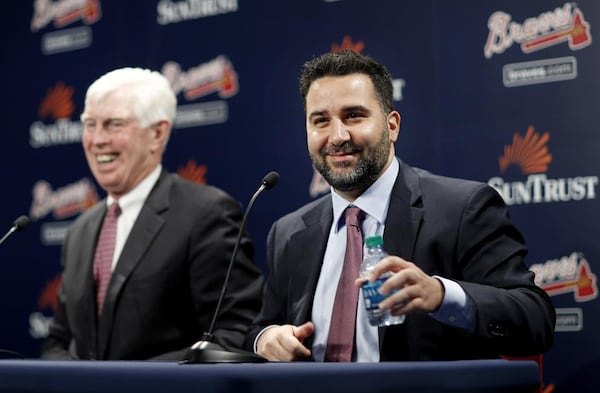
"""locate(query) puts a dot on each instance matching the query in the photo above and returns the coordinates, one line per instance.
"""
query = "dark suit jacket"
(454, 228)
(164, 289)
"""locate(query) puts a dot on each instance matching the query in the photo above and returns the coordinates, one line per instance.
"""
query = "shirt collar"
(139, 193)
(374, 201)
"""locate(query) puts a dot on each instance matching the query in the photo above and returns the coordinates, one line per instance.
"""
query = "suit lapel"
(402, 224)
(404, 214)
(84, 288)
(148, 224)
(308, 248)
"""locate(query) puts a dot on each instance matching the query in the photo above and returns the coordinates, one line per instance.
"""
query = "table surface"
(148, 377)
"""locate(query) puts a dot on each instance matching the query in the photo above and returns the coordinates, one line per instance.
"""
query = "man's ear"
(393, 123)
(161, 131)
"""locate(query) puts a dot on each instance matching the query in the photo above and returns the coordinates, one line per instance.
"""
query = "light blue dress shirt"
(455, 310)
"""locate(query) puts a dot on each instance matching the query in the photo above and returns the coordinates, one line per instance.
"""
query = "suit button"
(496, 330)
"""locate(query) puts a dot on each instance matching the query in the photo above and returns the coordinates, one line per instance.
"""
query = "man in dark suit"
(457, 260)
(143, 283)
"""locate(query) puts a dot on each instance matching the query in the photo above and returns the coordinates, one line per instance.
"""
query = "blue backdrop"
(503, 92)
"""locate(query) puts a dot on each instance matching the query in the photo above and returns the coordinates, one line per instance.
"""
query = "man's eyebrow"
(356, 108)
(352, 108)
(317, 113)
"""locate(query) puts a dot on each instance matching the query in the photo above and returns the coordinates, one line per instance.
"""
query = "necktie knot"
(353, 216)
(114, 210)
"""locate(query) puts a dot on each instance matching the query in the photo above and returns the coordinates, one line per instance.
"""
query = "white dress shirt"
(131, 205)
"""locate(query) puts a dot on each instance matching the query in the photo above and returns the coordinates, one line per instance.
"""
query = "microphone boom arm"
(205, 350)
(208, 335)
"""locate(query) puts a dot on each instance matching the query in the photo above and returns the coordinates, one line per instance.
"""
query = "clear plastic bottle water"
(373, 254)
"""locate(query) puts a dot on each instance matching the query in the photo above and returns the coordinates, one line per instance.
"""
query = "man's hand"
(284, 343)
(417, 291)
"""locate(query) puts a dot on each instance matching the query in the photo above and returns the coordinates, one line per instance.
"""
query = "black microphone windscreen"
(21, 222)
(271, 180)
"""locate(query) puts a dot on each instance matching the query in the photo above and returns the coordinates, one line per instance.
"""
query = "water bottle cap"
(374, 241)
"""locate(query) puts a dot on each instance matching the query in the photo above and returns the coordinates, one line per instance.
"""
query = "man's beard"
(365, 172)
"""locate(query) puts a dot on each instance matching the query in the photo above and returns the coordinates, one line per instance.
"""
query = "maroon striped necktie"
(340, 342)
(104, 253)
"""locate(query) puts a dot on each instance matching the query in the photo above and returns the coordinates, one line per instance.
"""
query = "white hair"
(153, 97)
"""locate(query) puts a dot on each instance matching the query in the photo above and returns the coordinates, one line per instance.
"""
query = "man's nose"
(339, 132)
(99, 136)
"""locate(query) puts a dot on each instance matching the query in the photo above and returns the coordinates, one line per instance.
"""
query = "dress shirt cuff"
(456, 309)
(254, 346)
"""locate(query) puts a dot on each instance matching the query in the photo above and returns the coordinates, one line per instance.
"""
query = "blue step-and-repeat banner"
(502, 91)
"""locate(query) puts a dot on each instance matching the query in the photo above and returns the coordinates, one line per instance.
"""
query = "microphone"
(20, 223)
(205, 350)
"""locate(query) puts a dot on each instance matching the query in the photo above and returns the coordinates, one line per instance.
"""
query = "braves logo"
(64, 12)
(583, 285)
(566, 23)
(568, 274)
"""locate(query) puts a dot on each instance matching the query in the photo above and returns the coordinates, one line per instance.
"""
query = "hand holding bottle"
(402, 285)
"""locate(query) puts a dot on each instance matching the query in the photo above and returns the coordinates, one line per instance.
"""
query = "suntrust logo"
(39, 324)
(58, 104)
(564, 24)
(531, 155)
(193, 172)
(348, 44)
(358, 46)
(169, 11)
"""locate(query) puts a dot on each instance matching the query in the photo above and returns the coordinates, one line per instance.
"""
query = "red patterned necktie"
(343, 319)
(104, 253)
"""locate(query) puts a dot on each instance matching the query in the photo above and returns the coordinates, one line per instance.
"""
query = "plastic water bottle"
(373, 254)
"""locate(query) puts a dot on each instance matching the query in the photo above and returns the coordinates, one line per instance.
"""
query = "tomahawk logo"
(564, 24)
(569, 274)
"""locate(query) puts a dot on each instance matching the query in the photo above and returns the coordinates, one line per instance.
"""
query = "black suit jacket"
(453, 228)
(165, 286)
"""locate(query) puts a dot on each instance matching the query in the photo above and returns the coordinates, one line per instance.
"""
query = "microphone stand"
(206, 350)
(20, 223)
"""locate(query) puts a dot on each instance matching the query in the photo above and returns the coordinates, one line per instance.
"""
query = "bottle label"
(372, 295)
